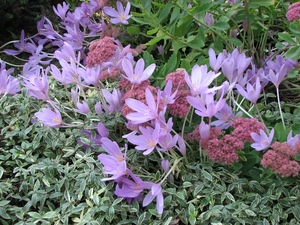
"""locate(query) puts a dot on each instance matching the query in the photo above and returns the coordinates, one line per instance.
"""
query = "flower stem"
(280, 111)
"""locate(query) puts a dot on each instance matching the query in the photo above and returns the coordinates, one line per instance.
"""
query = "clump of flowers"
(243, 127)
(293, 11)
(280, 159)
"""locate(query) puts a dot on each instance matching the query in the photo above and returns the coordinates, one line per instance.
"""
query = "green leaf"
(156, 39)
(221, 24)
(198, 41)
(165, 12)
(293, 53)
(49, 215)
(235, 41)
(257, 3)
(4, 214)
(250, 212)
(206, 175)
(35, 215)
(3, 203)
(133, 30)
(280, 132)
(286, 37)
(172, 63)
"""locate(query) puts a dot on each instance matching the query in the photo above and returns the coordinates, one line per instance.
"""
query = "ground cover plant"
(153, 112)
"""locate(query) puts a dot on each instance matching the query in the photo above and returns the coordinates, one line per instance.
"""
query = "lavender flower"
(120, 16)
(156, 192)
(206, 106)
(50, 118)
(252, 94)
(261, 140)
(147, 140)
(143, 112)
(82, 108)
(61, 10)
(277, 78)
(292, 140)
(8, 84)
(114, 163)
(224, 117)
(200, 79)
(139, 74)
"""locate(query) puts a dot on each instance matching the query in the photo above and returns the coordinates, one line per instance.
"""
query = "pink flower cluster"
(100, 51)
(181, 106)
(244, 126)
(279, 159)
(293, 11)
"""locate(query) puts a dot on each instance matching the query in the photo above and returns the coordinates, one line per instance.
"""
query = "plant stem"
(280, 111)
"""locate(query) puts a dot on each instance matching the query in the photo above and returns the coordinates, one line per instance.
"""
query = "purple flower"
(200, 79)
(181, 145)
(292, 140)
(225, 118)
(166, 96)
(215, 62)
(156, 192)
(114, 163)
(209, 19)
(277, 78)
(167, 142)
(22, 46)
(92, 75)
(137, 75)
(253, 91)
(50, 118)
(120, 16)
(204, 130)
(38, 86)
(206, 106)
(127, 188)
(82, 108)
(261, 140)
(61, 10)
(8, 84)
(147, 140)
(143, 112)
(114, 100)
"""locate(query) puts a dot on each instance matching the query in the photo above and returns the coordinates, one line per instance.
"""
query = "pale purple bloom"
(225, 118)
(167, 142)
(138, 74)
(98, 108)
(253, 91)
(66, 52)
(82, 108)
(147, 140)
(204, 130)
(166, 95)
(200, 79)
(114, 163)
(161, 50)
(209, 19)
(292, 140)
(102, 132)
(61, 10)
(114, 100)
(143, 112)
(38, 86)
(262, 140)
(215, 62)
(22, 46)
(120, 16)
(165, 164)
(92, 75)
(181, 145)
(38, 57)
(127, 188)
(156, 192)
(235, 65)
(206, 106)
(277, 78)
(8, 84)
(49, 117)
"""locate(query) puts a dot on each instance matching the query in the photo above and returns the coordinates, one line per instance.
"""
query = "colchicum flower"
(50, 118)
(120, 16)
(262, 140)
